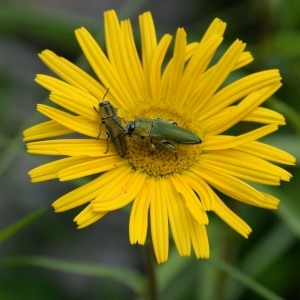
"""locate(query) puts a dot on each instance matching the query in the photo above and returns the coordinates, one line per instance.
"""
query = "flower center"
(161, 157)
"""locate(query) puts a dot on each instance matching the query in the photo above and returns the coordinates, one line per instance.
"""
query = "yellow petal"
(45, 130)
(118, 195)
(90, 166)
(202, 189)
(265, 116)
(159, 223)
(88, 217)
(215, 76)
(199, 239)
(178, 216)
(74, 99)
(80, 125)
(248, 167)
(267, 152)
(123, 55)
(155, 89)
(71, 147)
(231, 218)
(133, 59)
(221, 142)
(237, 90)
(71, 73)
(221, 122)
(138, 224)
(186, 94)
(231, 186)
(50, 170)
(148, 40)
(191, 200)
(175, 67)
(216, 27)
(88, 191)
(103, 68)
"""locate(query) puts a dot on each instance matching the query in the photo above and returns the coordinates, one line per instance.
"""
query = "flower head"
(172, 192)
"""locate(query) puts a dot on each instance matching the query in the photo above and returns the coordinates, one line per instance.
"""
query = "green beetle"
(168, 132)
(113, 124)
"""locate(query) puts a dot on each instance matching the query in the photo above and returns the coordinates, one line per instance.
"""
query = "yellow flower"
(175, 192)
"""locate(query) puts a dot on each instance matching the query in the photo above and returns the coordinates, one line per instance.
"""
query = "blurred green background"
(44, 256)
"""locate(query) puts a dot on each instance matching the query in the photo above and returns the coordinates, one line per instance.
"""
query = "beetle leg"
(122, 119)
(98, 136)
(152, 145)
(107, 136)
(173, 122)
(170, 146)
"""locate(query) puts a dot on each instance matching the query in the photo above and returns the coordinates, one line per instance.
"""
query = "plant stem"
(152, 292)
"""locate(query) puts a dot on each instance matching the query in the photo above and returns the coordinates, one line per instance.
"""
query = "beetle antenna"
(105, 93)
(103, 96)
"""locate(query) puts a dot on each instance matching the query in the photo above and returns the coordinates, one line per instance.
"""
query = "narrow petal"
(80, 125)
(231, 186)
(215, 76)
(245, 59)
(90, 166)
(270, 202)
(77, 104)
(123, 55)
(89, 191)
(245, 166)
(70, 147)
(267, 152)
(199, 239)
(116, 195)
(238, 90)
(258, 115)
(103, 68)
(231, 218)
(50, 170)
(72, 98)
(173, 73)
(155, 89)
(138, 224)
(192, 202)
(221, 142)
(71, 73)
(216, 27)
(148, 40)
(202, 189)
(45, 130)
(178, 219)
(217, 123)
(133, 58)
(265, 116)
(194, 69)
(88, 217)
(159, 224)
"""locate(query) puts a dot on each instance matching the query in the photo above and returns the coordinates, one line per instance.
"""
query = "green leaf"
(19, 225)
(260, 258)
(243, 278)
(128, 277)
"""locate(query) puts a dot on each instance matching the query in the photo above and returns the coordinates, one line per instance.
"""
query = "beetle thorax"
(107, 110)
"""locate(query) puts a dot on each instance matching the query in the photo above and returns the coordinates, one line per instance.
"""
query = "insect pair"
(156, 129)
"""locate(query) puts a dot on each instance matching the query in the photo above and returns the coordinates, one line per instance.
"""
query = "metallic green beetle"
(164, 131)
(113, 123)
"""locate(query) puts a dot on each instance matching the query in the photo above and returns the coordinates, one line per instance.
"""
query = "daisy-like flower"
(172, 193)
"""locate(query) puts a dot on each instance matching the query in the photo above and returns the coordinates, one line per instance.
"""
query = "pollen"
(153, 156)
